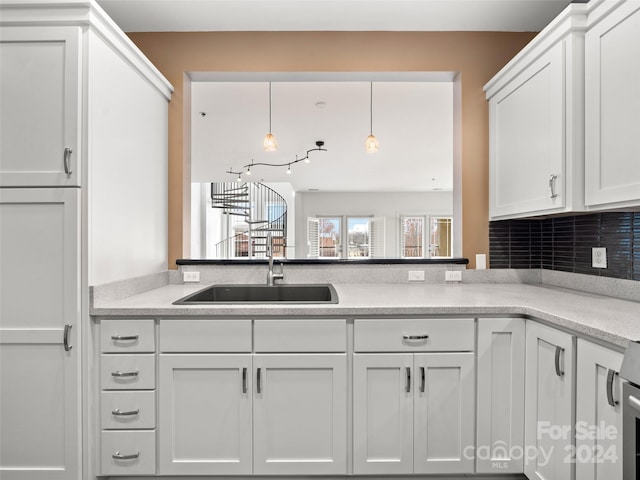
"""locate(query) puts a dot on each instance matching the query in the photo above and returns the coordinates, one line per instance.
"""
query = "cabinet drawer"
(128, 372)
(300, 335)
(139, 445)
(395, 335)
(205, 336)
(122, 336)
(128, 410)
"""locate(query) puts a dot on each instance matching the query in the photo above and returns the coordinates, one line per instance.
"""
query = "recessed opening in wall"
(237, 185)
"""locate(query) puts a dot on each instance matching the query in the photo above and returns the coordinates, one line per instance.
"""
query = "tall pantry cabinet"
(83, 180)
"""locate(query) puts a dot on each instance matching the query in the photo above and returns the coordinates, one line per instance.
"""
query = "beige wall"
(476, 55)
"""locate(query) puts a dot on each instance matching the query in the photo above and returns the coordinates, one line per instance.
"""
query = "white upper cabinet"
(536, 124)
(612, 82)
(40, 93)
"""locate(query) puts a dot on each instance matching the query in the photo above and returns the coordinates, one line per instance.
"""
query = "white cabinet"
(205, 414)
(224, 410)
(40, 78)
(612, 82)
(536, 137)
(549, 406)
(300, 414)
(500, 432)
(39, 375)
(598, 413)
(413, 412)
(127, 397)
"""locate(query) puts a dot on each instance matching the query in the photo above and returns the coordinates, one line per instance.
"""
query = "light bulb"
(248, 171)
(371, 144)
(239, 179)
(289, 169)
(270, 143)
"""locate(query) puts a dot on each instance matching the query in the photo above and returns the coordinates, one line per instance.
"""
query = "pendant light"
(270, 142)
(371, 144)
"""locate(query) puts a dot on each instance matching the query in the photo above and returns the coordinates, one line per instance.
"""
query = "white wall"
(379, 204)
(126, 142)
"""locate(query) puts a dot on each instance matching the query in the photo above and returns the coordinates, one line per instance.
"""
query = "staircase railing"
(256, 203)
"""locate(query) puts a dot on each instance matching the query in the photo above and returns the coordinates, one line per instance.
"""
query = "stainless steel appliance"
(630, 371)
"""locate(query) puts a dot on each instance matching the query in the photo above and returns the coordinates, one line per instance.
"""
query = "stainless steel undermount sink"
(255, 293)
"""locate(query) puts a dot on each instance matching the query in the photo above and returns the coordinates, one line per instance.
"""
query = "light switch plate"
(599, 257)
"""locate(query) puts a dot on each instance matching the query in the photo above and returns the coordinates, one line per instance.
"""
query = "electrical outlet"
(189, 277)
(599, 257)
(416, 276)
(453, 276)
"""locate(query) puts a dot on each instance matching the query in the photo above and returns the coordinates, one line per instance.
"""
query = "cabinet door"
(598, 413)
(39, 296)
(612, 83)
(204, 414)
(300, 414)
(549, 403)
(382, 413)
(40, 115)
(527, 140)
(501, 348)
(444, 417)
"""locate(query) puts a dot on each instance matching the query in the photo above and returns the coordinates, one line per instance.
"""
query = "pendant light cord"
(371, 110)
(269, 107)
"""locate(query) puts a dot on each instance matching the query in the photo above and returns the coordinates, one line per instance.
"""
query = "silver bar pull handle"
(118, 413)
(634, 403)
(611, 375)
(67, 157)
(125, 374)
(123, 338)
(244, 380)
(67, 331)
(559, 371)
(258, 381)
(423, 336)
(408, 386)
(120, 456)
(422, 379)
(552, 185)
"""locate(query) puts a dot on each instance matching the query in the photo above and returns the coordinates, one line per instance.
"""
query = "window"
(412, 236)
(363, 236)
(440, 238)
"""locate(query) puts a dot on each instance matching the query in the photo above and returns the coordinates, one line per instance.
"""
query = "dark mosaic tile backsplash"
(564, 243)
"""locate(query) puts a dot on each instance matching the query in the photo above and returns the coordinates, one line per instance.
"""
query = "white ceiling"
(413, 121)
(412, 116)
(328, 15)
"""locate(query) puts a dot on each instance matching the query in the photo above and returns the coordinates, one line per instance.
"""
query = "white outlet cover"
(599, 257)
(191, 277)
(416, 276)
(453, 276)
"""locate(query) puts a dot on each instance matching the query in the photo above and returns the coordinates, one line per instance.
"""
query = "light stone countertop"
(602, 318)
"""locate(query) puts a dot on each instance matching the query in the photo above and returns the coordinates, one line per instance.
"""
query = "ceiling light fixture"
(246, 169)
(270, 142)
(371, 144)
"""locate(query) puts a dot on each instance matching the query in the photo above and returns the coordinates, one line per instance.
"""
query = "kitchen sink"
(235, 293)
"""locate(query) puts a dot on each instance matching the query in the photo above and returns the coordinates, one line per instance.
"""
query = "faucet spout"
(271, 275)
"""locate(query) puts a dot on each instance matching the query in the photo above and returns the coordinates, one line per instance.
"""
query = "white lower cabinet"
(300, 414)
(40, 421)
(549, 407)
(223, 412)
(598, 413)
(414, 412)
(205, 414)
(500, 433)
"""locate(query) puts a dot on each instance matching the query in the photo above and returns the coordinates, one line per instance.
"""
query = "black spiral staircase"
(253, 201)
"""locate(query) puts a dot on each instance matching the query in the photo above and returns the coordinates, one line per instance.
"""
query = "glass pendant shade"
(371, 144)
(270, 143)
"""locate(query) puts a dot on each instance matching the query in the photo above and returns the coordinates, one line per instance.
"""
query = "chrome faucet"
(271, 275)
